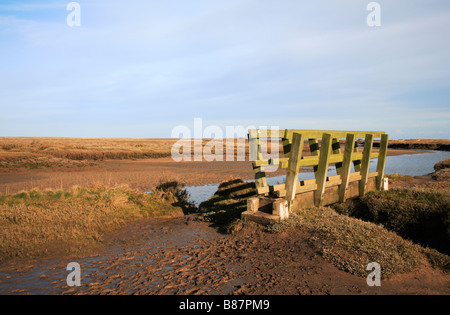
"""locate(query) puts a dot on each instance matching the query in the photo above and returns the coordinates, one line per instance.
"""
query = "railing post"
(293, 168)
(336, 146)
(322, 168)
(368, 144)
(346, 166)
(382, 160)
(255, 155)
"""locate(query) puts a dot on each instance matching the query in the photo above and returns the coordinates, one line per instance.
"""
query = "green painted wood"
(336, 147)
(314, 160)
(322, 171)
(382, 160)
(293, 168)
(314, 149)
(368, 144)
(346, 166)
(253, 145)
(356, 163)
(286, 147)
(340, 134)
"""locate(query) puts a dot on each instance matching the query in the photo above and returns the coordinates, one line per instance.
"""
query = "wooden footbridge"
(274, 202)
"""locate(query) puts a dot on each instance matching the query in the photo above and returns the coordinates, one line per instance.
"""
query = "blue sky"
(138, 68)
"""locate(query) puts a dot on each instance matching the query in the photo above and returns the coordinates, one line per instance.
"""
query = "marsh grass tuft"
(41, 223)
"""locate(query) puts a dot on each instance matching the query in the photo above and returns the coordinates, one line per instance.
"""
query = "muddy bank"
(184, 256)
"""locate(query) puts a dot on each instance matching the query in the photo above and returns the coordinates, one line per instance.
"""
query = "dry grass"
(347, 242)
(351, 244)
(420, 214)
(395, 178)
(77, 149)
(41, 223)
(36, 152)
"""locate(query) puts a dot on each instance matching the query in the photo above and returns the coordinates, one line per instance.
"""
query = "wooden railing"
(325, 149)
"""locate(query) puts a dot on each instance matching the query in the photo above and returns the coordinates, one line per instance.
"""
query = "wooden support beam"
(314, 148)
(356, 163)
(286, 147)
(336, 146)
(346, 166)
(340, 134)
(382, 160)
(365, 165)
(314, 160)
(322, 171)
(256, 157)
(293, 167)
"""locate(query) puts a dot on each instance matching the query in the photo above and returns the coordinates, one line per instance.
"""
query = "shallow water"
(407, 164)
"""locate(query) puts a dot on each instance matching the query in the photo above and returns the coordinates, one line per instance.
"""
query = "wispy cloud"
(160, 64)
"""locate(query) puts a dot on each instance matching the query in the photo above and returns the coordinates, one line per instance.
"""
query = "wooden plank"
(307, 134)
(314, 160)
(314, 148)
(256, 157)
(346, 166)
(299, 190)
(382, 160)
(336, 146)
(286, 147)
(292, 170)
(340, 134)
(365, 165)
(356, 163)
(322, 171)
(253, 145)
(262, 190)
(356, 176)
(333, 181)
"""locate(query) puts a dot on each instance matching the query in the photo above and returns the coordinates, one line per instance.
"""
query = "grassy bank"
(419, 214)
(41, 223)
(348, 242)
(351, 244)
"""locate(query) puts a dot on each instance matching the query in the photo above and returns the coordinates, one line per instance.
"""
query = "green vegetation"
(419, 214)
(399, 178)
(42, 223)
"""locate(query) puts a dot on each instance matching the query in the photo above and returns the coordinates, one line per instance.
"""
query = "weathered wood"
(314, 160)
(382, 160)
(322, 170)
(252, 204)
(286, 147)
(336, 146)
(293, 168)
(346, 166)
(365, 165)
(340, 134)
(357, 162)
(314, 149)
(253, 145)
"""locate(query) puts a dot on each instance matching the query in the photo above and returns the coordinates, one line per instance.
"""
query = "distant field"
(420, 144)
